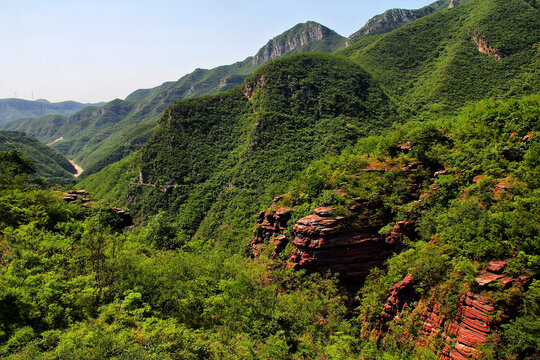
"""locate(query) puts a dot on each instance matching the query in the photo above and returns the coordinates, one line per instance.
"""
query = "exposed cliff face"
(485, 48)
(395, 18)
(300, 35)
(471, 326)
(400, 296)
(349, 245)
(270, 226)
(464, 332)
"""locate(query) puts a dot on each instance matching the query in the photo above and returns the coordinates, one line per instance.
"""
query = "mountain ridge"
(105, 138)
(13, 109)
(395, 18)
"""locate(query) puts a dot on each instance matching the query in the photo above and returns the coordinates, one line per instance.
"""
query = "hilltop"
(14, 109)
(378, 202)
(395, 18)
(96, 137)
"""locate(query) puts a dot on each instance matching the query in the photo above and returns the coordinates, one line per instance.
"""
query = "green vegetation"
(434, 66)
(15, 109)
(318, 130)
(242, 146)
(77, 286)
(395, 18)
(49, 164)
(96, 137)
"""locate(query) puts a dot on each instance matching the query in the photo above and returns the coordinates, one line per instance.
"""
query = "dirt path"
(77, 167)
(52, 142)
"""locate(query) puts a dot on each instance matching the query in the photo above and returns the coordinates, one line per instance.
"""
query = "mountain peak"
(300, 35)
(395, 18)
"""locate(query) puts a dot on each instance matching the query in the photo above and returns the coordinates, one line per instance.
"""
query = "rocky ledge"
(463, 333)
(347, 246)
(270, 226)
(325, 241)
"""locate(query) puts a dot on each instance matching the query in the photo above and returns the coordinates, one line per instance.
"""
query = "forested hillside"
(378, 203)
(96, 137)
(243, 145)
(49, 164)
(109, 292)
(475, 50)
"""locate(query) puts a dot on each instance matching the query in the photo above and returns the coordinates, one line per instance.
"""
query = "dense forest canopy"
(378, 203)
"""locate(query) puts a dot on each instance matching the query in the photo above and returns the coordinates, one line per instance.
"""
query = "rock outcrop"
(494, 272)
(349, 245)
(395, 18)
(334, 243)
(463, 333)
(400, 296)
(125, 217)
(471, 327)
(74, 195)
(231, 81)
(301, 34)
(485, 48)
(270, 226)
(79, 195)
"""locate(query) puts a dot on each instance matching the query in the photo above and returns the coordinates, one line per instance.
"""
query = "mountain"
(302, 38)
(428, 68)
(378, 203)
(395, 18)
(428, 222)
(242, 143)
(50, 164)
(437, 63)
(96, 137)
(14, 109)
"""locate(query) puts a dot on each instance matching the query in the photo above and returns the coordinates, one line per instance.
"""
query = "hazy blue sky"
(104, 49)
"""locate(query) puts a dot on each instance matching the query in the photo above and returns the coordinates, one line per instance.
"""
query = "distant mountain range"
(96, 137)
(14, 109)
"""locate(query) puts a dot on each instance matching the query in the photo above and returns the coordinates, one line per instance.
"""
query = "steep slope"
(49, 163)
(395, 18)
(441, 61)
(306, 37)
(14, 109)
(96, 137)
(444, 214)
(244, 144)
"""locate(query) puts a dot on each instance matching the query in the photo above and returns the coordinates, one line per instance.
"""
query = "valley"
(369, 197)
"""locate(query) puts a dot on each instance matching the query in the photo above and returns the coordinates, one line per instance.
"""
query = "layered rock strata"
(471, 327)
(334, 243)
(270, 226)
(350, 245)
(464, 333)
(400, 296)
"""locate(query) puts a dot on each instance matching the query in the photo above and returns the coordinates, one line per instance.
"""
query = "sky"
(91, 51)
